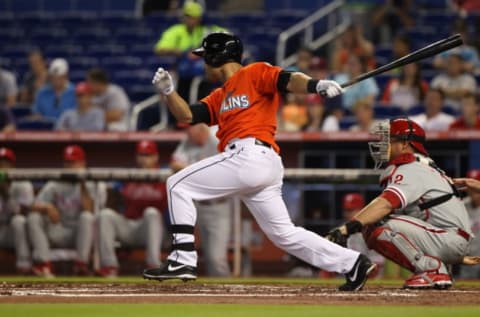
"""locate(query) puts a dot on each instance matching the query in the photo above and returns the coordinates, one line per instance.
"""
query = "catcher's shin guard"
(396, 247)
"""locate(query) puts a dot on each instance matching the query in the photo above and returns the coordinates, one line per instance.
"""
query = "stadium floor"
(264, 291)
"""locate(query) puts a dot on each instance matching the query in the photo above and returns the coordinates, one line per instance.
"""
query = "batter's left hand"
(329, 88)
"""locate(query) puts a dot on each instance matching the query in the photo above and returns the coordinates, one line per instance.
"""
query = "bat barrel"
(426, 52)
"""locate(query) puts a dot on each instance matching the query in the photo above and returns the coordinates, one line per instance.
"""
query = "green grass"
(198, 310)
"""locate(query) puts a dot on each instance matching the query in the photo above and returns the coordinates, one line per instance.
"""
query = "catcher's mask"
(402, 129)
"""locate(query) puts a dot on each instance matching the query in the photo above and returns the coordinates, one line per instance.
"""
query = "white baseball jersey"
(19, 194)
(66, 197)
(416, 182)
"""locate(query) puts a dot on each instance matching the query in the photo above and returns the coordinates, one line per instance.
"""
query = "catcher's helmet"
(407, 130)
(219, 48)
(396, 129)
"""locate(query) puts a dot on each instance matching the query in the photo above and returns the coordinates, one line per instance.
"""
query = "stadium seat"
(21, 111)
(148, 117)
(77, 76)
(41, 124)
(82, 63)
(387, 111)
(347, 122)
(105, 50)
(384, 51)
(284, 19)
(244, 19)
(416, 110)
(15, 50)
(450, 110)
(121, 63)
(382, 80)
(63, 50)
(5, 62)
(139, 93)
(154, 62)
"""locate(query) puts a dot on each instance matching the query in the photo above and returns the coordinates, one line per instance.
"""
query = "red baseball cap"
(475, 174)
(74, 153)
(353, 201)
(6, 153)
(83, 88)
(147, 147)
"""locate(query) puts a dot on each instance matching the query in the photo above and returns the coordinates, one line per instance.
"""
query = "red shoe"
(428, 280)
(107, 271)
(43, 270)
(81, 269)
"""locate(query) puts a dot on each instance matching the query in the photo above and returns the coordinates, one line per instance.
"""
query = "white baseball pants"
(254, 173)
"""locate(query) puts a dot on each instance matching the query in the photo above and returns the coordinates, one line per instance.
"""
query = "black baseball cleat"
(358, 275)
(171, 270)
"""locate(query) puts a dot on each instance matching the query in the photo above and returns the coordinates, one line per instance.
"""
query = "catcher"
(418, 221)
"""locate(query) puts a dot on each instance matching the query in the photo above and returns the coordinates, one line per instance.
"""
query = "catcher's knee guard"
(396, 247)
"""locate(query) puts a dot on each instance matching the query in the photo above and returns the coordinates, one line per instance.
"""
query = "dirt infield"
(194, 292)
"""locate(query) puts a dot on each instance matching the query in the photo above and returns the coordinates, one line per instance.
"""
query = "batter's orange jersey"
(246, 105)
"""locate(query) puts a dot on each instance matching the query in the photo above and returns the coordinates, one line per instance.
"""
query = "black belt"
(260, 142)
(257, 142)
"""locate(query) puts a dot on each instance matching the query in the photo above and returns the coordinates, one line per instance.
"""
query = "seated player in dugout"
(140, 224)
(62, 217)
(248, 165)
(419, 220)
(16, 199)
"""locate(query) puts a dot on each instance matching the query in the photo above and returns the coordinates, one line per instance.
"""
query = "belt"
(260, 142)
(463, 234)
(257, 142)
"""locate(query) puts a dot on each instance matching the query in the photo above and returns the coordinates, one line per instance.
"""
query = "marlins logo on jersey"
(234, 102)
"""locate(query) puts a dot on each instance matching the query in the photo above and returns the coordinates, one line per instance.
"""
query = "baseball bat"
(425, 52)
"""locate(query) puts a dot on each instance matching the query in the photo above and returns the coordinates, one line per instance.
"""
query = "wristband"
(353, 226)
(312, 86)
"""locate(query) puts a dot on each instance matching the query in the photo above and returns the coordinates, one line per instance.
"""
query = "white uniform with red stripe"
(430, 238)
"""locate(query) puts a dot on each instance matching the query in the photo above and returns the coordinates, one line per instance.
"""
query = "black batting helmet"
(220, 48)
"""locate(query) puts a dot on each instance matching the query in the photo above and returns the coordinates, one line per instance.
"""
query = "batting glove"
(163, 81)
(329, 88)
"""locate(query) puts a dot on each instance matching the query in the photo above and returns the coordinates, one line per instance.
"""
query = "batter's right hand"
(329, 88)
(163, 81)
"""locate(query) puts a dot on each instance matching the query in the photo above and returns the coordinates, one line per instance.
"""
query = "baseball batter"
(249, 166)
(16, 199)
(63, 217)
(418, 221)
